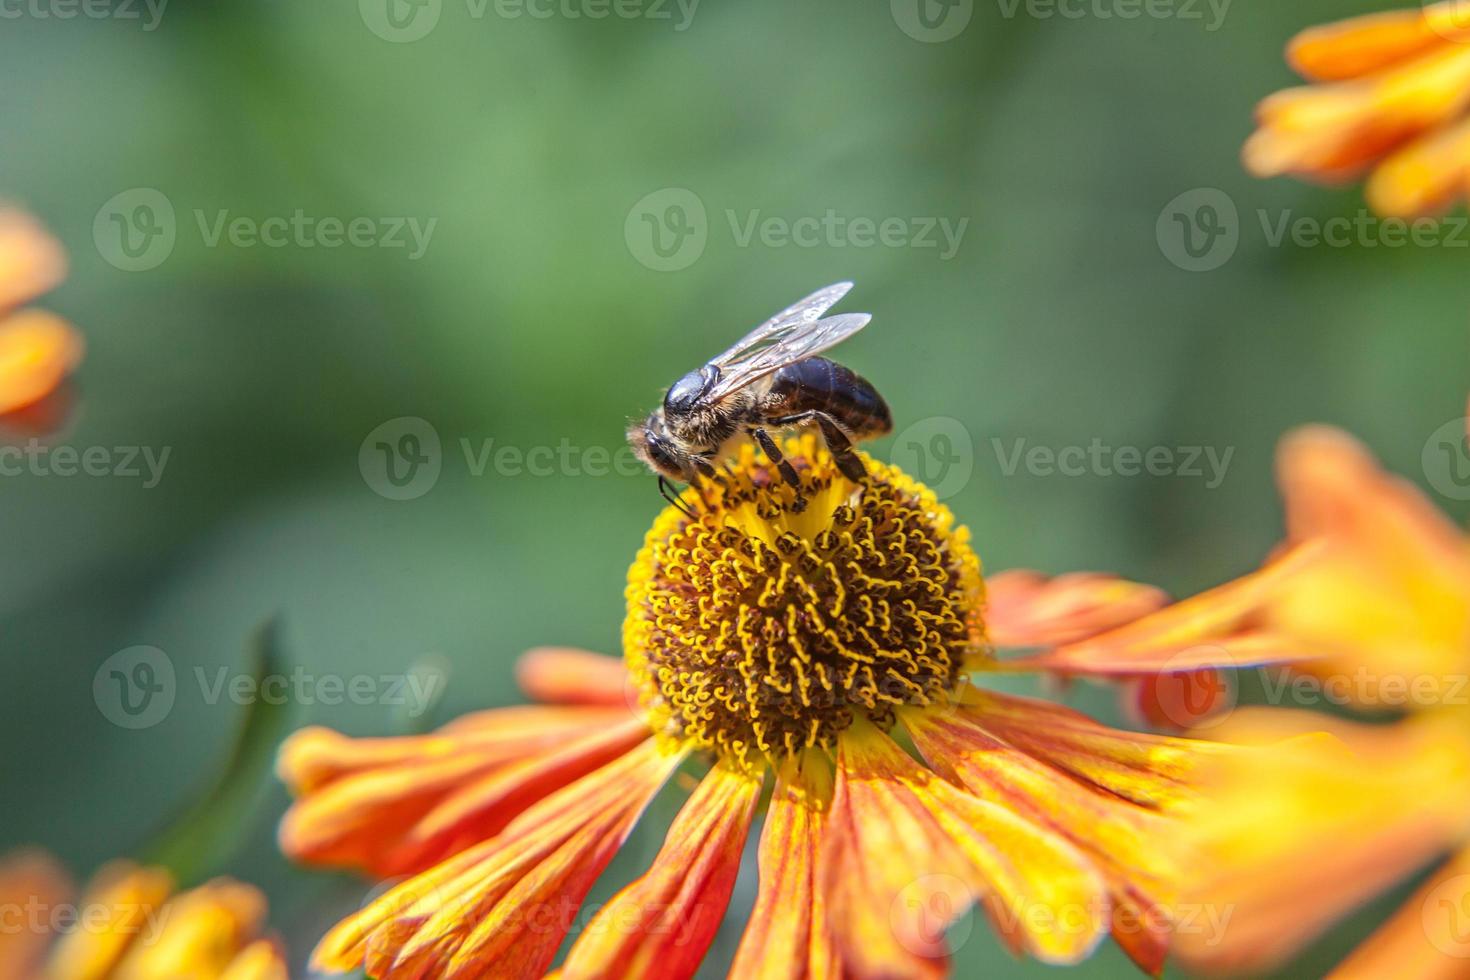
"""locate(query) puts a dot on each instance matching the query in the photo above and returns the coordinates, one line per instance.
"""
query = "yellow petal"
(200, 933)
(662, 924)
(127, 903)
(908, 852)
(1118, 835)
(1336, 816)
(1391, 598)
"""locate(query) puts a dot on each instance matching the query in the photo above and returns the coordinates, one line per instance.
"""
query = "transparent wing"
(801, 313)
(791, 335)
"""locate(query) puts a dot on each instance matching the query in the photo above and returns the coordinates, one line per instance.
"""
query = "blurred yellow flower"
(37, 349)
(1302, 834)
(1389, 99)
(129, 925)
(765, 640)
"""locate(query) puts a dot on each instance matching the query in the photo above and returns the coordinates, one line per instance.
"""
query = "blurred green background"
(540, 314)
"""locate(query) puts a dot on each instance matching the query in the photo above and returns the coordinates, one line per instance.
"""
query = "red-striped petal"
(787, 937)
(662, 924)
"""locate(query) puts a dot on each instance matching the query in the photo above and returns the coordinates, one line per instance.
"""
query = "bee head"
(658, 451)
(688, 390)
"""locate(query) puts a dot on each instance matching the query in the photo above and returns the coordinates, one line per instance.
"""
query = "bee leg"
(783, 465)
(667, 492)
(838, 443)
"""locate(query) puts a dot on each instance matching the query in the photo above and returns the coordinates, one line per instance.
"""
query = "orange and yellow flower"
(1390, 98)
(129, 924)
(826, 651)
(1301, 836)
(37, 349)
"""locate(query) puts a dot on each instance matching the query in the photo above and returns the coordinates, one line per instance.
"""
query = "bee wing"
(810, 339)
(790, 335)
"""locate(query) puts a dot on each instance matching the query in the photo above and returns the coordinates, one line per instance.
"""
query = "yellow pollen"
(757, 629)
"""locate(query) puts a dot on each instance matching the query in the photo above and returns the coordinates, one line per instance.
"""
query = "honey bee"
(770, 379)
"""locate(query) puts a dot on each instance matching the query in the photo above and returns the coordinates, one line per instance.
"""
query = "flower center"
(760, 627)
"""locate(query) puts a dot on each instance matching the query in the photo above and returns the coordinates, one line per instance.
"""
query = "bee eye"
(687, 390)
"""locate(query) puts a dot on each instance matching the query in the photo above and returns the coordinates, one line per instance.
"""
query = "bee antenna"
(667, 493)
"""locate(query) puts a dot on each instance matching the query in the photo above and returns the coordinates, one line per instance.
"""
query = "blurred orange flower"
(1390, 98)
(129, 925)
(766, 639)
(1301, 836)
(37, 349)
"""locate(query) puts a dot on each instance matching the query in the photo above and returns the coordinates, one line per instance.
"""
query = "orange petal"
(558, 675)
(1360, 45)
(31, 261)
(32, 884)
(908, 852)
(1118, 835)
(1424, 177)
(261, 960)
(1154, 771)
(313, 757)
(786, 937)
(662, 924)
(37, 351)
(1392, 596)
(1209, 630)
(124, 903)
(1335, 816)
(1326, 130)
(519, 890)
(394, 806)
(1027, 609)
(1426, 939)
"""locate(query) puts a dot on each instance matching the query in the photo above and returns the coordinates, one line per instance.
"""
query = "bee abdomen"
(819, 385)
